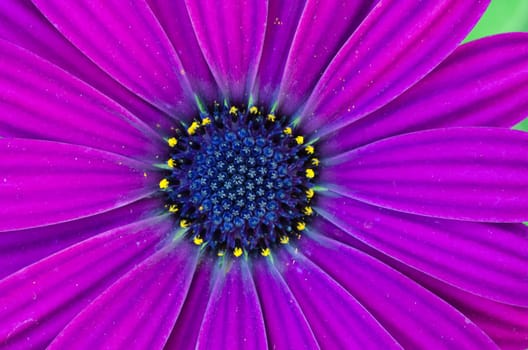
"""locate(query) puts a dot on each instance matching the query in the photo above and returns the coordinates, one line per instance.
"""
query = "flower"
(396, 189)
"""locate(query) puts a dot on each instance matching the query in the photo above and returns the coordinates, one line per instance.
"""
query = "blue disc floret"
(240, 180)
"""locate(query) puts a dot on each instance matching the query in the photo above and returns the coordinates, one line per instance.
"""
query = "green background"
(503, 16)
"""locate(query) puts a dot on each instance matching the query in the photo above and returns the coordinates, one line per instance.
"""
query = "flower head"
(261, 174)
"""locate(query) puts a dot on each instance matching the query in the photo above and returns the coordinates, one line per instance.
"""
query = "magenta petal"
(21, 248)
(125, 40)
(42, 183)
(233, 319)
(476, 174)
(507, 325)
(139, 310)
(283, 18)
(39, 100)
(414, 316)
(398, 43)
(187, 328)
(509, 331)
(286, 326)
(38, 301)
(22, 24)
(485, 259)
(483, 83)
(231, 35)
(337, 319)
(174, 18)
(323, 29)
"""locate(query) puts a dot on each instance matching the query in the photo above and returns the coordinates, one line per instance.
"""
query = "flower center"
(240, 181)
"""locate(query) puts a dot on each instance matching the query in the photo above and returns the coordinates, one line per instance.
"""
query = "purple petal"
(24, 247)
(314, 45)
(126, 41)
(231, 35)
(187, 328)
(483, 83)
(43, 183)
(38, 301)
(233, 318)
(492, 317)
(394, 47)
(21, 23)
(414, 316)
(39, 100)
(286, 325)
(476, 174)
(174, 18)
(153, 290)
(485, 259)
(337, 319)
(283, 18)
(507, 325)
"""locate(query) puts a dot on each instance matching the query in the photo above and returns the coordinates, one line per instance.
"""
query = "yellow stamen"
(287, 131)
(198, 240)
(310, 193)
(284, 239)
(308, 211)
(301, 226)
(299, 140)
(233, 110)
(315, 161)
(254, 110)
(172, 142)
(271, 117)
(191, 130)
(237, 252)
(220, 253)
(200, 208)
(206, 121)
(184, 223)
(309, 149)
(265, 252)
(164, 184)
(173, 208)
(170, 163)
(310, 173)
